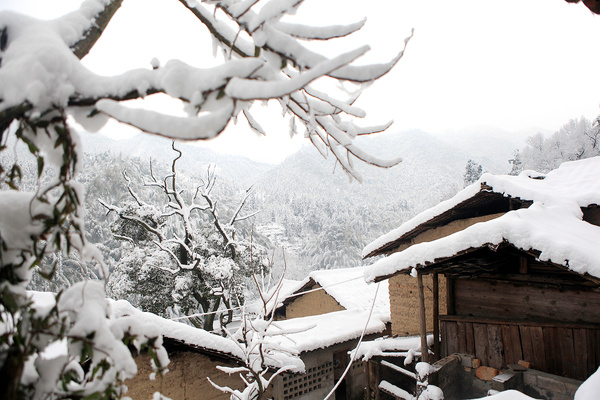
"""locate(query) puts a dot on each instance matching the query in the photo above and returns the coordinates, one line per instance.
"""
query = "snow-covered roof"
(574, 183)
(185, 334)
(327, 329)
(277, 294)
(552, 225)
(348, 287)
(182, 333)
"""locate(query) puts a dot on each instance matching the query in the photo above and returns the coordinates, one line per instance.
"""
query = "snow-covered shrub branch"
(264, 358)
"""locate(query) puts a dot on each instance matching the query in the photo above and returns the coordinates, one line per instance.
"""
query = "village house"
(519, 257)
(194, 355)
(339, 306)
(322, 341)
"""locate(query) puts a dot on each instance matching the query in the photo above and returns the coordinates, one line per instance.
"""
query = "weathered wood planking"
(519, 301)
(496, 346)
(481, 341)
(560, 350)
(452, 332)
(511, 337)
(582, 355)
(461, 336)
(470, 339)
(539, 353)
(551, 350)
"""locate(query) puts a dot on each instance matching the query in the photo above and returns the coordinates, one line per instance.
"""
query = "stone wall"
(404, 303)
(186, 379)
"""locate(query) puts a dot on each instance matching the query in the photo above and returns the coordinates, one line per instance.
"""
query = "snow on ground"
(590, 389)
(507, 395)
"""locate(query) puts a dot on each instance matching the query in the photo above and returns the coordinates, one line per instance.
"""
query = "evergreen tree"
(473, 171)
(515, 162)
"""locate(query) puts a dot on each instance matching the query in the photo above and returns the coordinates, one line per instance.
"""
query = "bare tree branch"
(82, 47)
(144, 224)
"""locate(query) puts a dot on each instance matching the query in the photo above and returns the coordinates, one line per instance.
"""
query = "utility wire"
(355, 351)
(256, 303)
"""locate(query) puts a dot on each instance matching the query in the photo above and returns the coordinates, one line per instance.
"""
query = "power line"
(258, 303)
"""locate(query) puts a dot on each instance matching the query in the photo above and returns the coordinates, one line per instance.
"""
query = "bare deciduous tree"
(216, 267)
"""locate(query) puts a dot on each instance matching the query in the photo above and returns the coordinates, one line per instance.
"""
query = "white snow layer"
(590, 389)
(321, 331)
(507, 395)
(573, 182)
(348, 287)
(553, 225)
(395, 345)
(176, 330)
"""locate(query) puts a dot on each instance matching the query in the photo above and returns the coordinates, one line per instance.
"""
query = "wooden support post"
(423, 327)
(449, 296)
(436, 317)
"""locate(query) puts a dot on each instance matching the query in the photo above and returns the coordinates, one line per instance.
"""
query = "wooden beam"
(423, 326)
(449, 296)
(523, 265)
(436, 317)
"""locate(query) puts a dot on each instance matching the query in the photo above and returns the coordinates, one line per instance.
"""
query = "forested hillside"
(308, 207)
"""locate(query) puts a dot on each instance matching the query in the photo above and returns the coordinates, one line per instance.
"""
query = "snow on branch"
(41, 69)
(99, 14)
(319, 32)
(251, 89)
(204, 127)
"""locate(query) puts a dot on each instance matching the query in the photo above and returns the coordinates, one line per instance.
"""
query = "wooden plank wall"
(517, 301)
(573, 352)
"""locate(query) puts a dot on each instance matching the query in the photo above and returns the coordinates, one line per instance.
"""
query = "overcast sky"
(515, 65)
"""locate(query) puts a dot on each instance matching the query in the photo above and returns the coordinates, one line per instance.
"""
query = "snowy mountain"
(195, 159)
(311, 209)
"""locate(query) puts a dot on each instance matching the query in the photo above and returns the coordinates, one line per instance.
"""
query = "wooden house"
(520, 259)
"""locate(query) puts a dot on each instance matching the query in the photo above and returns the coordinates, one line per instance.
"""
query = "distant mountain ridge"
(312, 209)
(194, 160)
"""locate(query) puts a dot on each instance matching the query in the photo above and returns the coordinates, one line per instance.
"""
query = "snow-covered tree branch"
(264, 359)
(209, 265)
(43, 83)
(267, 62)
